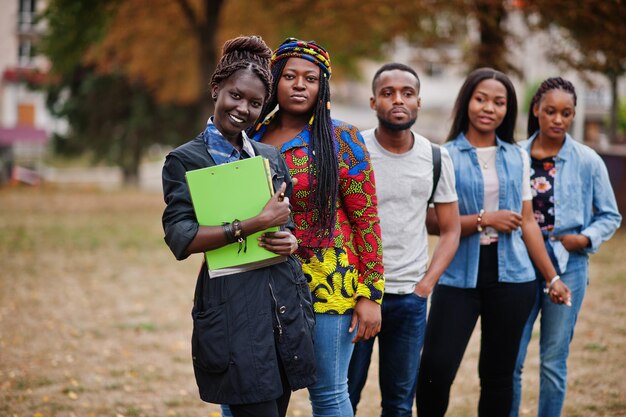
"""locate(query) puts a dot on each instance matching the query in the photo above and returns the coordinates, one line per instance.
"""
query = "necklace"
(485, 163)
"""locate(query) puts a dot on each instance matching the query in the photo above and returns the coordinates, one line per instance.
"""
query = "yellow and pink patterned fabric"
(347, 263)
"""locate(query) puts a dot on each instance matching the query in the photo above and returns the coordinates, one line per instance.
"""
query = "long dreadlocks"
(322, 149)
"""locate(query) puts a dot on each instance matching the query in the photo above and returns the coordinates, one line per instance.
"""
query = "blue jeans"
(556, 333)
(400, 343)
(333, 349)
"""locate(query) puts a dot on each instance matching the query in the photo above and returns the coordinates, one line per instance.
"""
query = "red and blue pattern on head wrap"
(309, 50)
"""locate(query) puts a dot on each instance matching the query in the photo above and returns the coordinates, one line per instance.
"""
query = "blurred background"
(94, 310)
(113, 84)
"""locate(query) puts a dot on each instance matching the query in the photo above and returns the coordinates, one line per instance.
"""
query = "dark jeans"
(503, 309)
(400, 343)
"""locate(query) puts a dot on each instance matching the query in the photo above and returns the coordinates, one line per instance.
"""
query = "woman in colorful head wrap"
(334, 208)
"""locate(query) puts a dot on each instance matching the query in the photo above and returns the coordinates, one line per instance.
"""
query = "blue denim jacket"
(514, 264)
(584, 201)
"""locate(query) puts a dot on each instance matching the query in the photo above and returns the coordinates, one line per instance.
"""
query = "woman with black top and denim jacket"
(491, 275)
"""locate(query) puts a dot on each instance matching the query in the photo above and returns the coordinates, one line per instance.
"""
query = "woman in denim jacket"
(491, 275)
(575, 207)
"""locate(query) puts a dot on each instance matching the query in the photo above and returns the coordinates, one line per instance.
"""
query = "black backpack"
(436, 169)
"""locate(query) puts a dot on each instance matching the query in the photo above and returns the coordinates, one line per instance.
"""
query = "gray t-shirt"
(403, 185)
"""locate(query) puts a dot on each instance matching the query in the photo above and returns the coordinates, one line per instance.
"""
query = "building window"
(26, 15)
(25, 53)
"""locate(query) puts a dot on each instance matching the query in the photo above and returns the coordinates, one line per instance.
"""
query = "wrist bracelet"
(228, 232)
(551, 284)
(239, 235)
(234, 233)
(237, 229)
(479, 220)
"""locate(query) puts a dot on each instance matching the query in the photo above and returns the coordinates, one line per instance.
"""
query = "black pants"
(272, 408)
(503, 309)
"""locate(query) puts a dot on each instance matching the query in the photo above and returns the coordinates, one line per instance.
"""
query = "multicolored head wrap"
(308, 50)
(324, 168)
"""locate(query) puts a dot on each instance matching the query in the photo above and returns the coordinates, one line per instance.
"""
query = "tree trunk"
(614, 108)
(207, 38)
(492, 49)
(206, 28)
(130, 176)
(491, 52)
(131, 165)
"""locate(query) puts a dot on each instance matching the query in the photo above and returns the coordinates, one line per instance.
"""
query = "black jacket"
(241, 321)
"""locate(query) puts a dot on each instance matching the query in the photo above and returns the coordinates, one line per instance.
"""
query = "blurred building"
(440, 83)
(25, 124)
(443, 69)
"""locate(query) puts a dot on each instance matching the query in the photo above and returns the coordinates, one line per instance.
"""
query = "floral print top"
(542, 173)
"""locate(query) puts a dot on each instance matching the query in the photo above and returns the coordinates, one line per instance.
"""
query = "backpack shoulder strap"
(436, 169)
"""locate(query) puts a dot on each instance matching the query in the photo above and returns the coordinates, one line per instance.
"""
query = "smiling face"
(239, 101)
(396, 100)
(487, 107)
(555, 113)
(298, 87)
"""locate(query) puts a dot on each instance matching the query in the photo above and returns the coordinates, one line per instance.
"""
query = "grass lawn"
(95, 318)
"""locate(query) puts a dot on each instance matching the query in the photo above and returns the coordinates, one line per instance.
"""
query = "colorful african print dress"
(349, 263)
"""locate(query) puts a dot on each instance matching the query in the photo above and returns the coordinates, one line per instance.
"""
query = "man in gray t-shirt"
(403, 166)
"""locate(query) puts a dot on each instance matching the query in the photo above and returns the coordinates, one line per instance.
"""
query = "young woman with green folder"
(252, 335)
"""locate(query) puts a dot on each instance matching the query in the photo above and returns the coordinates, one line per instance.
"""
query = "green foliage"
(351, 30)
(529, 92)
(587, 36)
(120, 83)
(596, 347)
(116, 121)
(135, 72)
(591, 33)
(111, 117)
(74, 27)
(621, 119)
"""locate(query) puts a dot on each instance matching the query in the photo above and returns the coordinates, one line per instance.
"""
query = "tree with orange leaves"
(159, 54)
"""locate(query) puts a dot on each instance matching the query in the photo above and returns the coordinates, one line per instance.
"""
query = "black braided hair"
(245, 52)
(322, 151)
(460, 123)
(549, 84)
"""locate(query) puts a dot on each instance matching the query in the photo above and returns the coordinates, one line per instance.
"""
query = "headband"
(294, 48)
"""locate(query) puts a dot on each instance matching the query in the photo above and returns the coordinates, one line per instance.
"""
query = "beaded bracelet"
(239, 235)
(479, 220)
(234, 233)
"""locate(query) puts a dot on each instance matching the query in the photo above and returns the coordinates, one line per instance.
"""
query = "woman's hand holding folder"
(281, 243)
(276, 212)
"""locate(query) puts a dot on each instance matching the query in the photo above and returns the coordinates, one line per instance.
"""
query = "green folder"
(223, 193)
